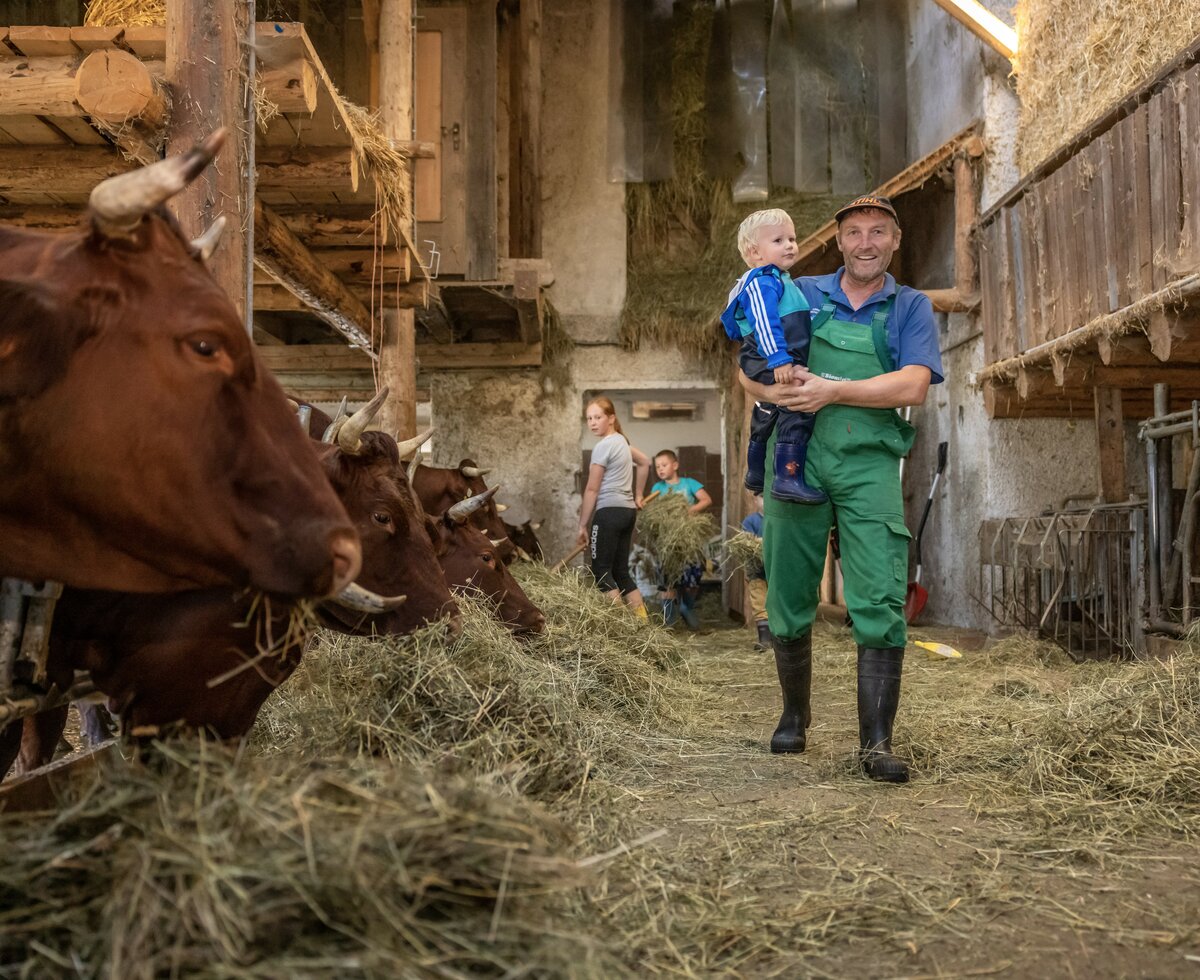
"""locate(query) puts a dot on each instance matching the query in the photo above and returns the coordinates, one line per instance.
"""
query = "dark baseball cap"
(866, 201)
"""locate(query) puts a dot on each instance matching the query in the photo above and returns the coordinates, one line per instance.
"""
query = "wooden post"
(207, 71)
(397, 347)
(525, 134)
(1110, 445)
(966, 215)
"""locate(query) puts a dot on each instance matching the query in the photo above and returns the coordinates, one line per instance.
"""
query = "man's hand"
(784, 374)
(811, 393)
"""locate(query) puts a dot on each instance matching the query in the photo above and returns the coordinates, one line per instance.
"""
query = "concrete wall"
(996, 468)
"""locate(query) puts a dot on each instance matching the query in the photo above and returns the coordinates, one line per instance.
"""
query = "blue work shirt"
(911, 329)
(754, 524)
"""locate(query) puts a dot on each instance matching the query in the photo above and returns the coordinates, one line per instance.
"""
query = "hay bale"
(677, 538)
(1079, 57)
(213, 864)
(126, 13)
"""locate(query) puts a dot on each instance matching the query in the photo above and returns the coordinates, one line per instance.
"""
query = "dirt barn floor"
(600, 802)
(797, 866)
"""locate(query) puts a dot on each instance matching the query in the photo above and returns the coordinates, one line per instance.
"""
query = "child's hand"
(784, 374)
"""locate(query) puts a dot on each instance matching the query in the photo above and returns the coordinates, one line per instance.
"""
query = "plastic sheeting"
(640, 129)
(782, 91)
(748, 50)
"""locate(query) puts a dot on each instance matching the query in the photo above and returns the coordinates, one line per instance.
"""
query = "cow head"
(440, 488)
(364, 469)
(471, 561)
(143, 446)
(525, 540)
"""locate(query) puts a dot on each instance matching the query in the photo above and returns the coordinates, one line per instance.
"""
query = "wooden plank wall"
(1112, 224)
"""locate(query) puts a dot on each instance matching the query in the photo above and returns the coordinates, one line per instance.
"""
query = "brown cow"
(143, 446)
(525, 540)
(440, 488)
(471, 562)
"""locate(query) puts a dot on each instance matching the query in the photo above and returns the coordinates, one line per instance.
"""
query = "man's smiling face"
(867, 239)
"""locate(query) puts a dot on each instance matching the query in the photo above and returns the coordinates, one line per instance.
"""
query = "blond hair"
(747, 231)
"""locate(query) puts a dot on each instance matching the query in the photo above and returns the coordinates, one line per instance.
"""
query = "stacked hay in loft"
(126, 13)
(1080, 57)
(676, 537)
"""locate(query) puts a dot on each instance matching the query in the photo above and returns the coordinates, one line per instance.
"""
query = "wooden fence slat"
(1110, 234)
(1038, 225)
(1094, 283)
(1140, 195)
(993, 327)
(1173, 192)
(1189, 162)
(1155, 111)
(1008, 318)
(1018, 251)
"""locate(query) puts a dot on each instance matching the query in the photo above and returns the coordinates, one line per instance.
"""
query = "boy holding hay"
(769, 314)
(680, 599)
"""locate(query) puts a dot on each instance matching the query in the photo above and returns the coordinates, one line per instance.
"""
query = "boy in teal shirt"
(680, 599)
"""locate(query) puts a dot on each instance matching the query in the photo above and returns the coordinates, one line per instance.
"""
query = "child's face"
(597, 422)
(666, 467)
(775, 245)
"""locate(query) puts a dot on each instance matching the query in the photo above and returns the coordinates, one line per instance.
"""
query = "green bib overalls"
(854, 457)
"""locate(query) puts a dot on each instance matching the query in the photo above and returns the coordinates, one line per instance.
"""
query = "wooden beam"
(115, 88)
(41, 41)
(283, 256)
(397, 359)
(525, 133)
(456, 357)
(58, 170)
(435, 318)
(1110, 445)
(530, 310)
(985, 25)
(909, 179)
(96, 38)
(480, 135)
(153, 42)
(204, 45)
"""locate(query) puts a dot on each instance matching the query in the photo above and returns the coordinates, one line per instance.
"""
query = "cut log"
(114, 87)
(37, 87)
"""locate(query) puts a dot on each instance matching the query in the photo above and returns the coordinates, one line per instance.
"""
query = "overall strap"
(825, 315)
(879, 335)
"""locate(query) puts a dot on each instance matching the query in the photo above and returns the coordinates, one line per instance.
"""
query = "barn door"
(440, 182)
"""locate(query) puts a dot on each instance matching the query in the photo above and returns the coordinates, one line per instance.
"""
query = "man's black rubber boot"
(763, 643)
(789, 482)
(878, 698)
(756, 463)
(793, 661)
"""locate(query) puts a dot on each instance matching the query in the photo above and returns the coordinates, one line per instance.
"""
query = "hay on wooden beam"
(1080, 57)
(677, 538)
(208, 863)
(388, 165)
(126, 13)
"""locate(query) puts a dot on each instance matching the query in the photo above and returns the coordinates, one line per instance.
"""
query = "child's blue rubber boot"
(756, 462)
(789, 482)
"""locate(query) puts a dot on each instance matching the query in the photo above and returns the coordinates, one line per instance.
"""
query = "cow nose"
(539, 624)
(347, 559)
(454, 627)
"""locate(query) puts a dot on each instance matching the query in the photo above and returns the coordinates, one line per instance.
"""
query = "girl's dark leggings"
(612, 534)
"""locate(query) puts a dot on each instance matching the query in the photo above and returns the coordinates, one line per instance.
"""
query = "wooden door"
(440, 182)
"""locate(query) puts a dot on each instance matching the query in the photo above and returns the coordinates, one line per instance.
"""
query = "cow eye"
(382, 518)
(206, 347)
(488, 558)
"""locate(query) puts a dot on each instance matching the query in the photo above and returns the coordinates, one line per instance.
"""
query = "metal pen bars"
(1075, 576)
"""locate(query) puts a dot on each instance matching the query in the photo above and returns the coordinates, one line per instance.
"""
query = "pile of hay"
(677, 537)
(125, 13)
(743, 550)
(539, 717)
(390, 168)
(1079, 57)
(206, 863)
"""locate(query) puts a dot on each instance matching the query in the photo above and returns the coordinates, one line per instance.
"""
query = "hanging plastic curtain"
(813, 97)
(748, 39)
(782, 95)
(721, 145)
(640, 128)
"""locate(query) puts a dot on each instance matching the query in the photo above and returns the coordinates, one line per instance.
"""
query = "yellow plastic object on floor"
(938, 650)
(640, 612)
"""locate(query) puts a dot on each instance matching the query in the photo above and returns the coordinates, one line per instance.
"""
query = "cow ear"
(35, 338)
(437, 538)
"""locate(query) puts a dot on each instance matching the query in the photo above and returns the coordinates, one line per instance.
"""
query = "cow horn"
(415, 443)
(206, 244)
(331, 430)
(473, 471)
(119, 203)
(501, 508)
(355, 597)
(412, 468)
(349, 435)
(496, 542)
(461, 512)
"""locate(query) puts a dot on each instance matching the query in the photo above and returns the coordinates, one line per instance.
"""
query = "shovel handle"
(563, 564)
(943, 449)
